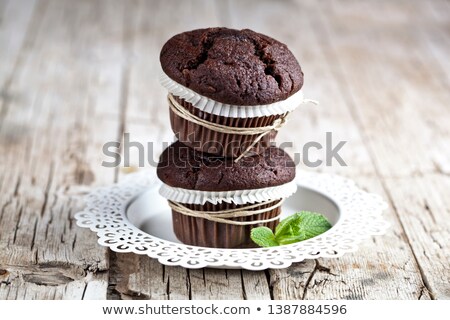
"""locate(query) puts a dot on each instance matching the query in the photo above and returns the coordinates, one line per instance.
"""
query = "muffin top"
(183, 167)
(238, 67)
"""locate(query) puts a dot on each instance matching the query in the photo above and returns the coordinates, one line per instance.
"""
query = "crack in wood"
(16, 188)
(244, 294)
(47, 188)
(423, 292)
(34, 234)
(308, 280)
(436, 241)
(188, 284)
(168, 288)
(269, 283)
(16, 229)
(429, 211)
(4, 206)
(47, 279)
(317, 268)
(74, 241)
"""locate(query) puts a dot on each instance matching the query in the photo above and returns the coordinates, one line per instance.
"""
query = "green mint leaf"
(288, 226)
(301, 226)
(297, 227)
(263, 237)
(312, 224)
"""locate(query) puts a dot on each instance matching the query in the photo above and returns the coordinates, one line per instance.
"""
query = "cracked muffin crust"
(239, 67)
(183, 167)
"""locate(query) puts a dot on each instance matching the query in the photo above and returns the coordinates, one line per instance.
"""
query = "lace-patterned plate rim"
(105, 213)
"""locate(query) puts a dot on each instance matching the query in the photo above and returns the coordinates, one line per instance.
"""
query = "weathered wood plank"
(139, 277)
(216, 284)
(50, 138)
(382, 268)
(255, 285)
(406, 131)
(15, 22)
(405, 125)
(423, 206)
(52, 283)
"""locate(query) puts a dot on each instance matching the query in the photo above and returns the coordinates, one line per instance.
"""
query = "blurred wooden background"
(76, 74)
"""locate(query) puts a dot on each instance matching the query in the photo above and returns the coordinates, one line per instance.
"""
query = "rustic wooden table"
(76, 74)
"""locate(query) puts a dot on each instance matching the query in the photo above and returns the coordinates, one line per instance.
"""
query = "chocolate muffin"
(216, 201)
(223, 79)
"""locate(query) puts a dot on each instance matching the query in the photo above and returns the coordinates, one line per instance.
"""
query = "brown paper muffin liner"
(205, 233)
(218, 143)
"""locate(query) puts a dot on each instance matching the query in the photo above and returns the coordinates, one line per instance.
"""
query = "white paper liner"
(187, 196)
(226, 110)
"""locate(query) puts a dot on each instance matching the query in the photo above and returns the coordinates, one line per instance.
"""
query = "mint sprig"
(263, 237)
(297, 227)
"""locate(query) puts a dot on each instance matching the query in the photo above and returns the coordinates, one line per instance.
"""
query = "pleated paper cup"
(223, 144)
(217, 143)
(206, 233)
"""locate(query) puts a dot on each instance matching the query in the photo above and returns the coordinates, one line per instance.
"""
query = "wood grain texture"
(423, 207)
(49, 138)
(75, 75)
(15, 20)
(404, 130)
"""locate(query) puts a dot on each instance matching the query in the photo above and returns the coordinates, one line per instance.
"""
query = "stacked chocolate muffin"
(229, 92)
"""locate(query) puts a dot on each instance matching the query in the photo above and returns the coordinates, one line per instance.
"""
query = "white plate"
(131, 216)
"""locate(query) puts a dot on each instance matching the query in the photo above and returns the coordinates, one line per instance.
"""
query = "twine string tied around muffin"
(226, 216)
(277, 124)
(260, 131)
